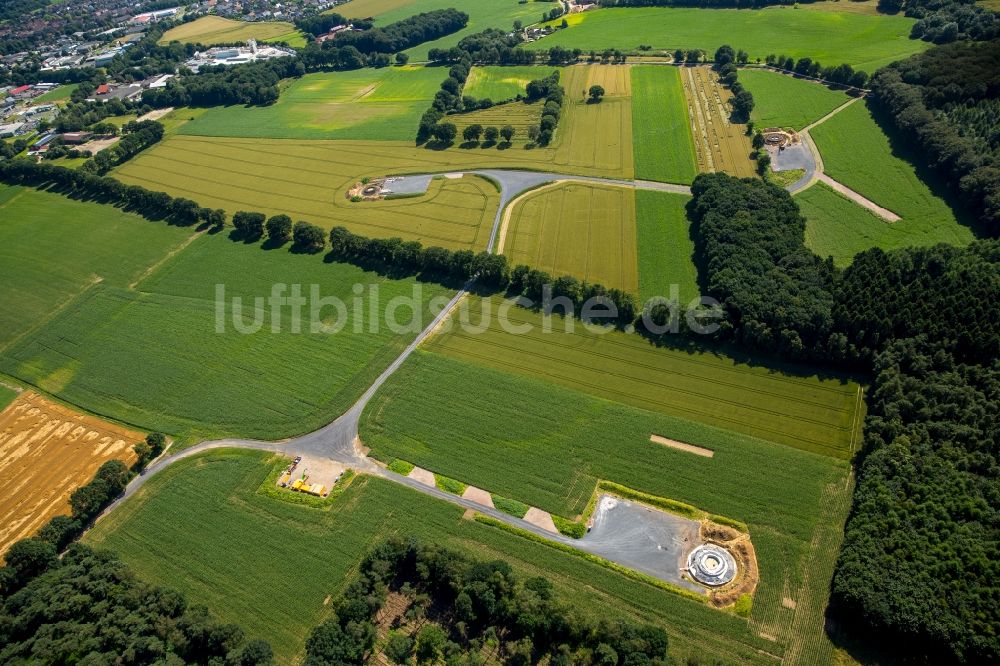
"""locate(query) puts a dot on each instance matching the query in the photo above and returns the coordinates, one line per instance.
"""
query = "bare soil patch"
(479, 496)
(540, 518)
(156, 114)
(424, 476)
(681, 446)
(46, 452)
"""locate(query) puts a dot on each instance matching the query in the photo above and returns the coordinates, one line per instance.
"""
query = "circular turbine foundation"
(712, 565)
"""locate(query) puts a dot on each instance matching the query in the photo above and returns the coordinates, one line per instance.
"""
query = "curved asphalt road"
(336, 441)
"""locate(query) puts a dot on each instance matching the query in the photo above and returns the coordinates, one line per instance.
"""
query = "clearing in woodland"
(806, 412)
(720, 144)
(858, 153)
(204, 514)
(587, 231)
(212, 365)
(210, 30)
(46, 452)
(661, 129)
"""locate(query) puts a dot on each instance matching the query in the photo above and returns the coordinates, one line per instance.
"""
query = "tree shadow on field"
(907, 150)
(273, 244)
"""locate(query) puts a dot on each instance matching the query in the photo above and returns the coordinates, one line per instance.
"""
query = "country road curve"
(337, 441)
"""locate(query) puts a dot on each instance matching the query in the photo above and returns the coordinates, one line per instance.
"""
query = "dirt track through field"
(46, 452)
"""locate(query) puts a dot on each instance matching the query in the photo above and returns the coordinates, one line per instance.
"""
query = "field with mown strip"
(720, 144)
(804, 412)
(171, 356)
(309, 181)
(862, 40)
(838, 227)
(859, 154)
(587, 231)
(500, 83)
(547, 445)
(54, 249)
(784, 101)
(482, 14)
(665, 248)
(664, 149)
(209, 30)
(364, 104)
(204, 515)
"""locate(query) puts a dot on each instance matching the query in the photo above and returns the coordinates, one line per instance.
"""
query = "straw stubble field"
(720, 144)
(46, 452)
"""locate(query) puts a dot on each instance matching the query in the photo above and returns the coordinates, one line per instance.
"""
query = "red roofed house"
(20, 91)
(102, 89)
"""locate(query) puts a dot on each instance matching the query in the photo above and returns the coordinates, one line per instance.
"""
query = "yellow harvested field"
(46, 452)
(209, 30)
(720, 145)
(595, 137)
(587, 231)
(309, 180)
(615, 79)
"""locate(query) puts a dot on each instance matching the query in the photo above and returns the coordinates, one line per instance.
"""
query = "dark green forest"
(472, 605)
(930, 96)
(918, 568)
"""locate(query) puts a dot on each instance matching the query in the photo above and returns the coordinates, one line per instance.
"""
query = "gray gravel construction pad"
(793, 157)
(409, 185)
(647, 540)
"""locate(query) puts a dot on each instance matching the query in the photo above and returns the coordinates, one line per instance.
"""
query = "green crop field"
(664, 149)
(784, 101)
(587, 231)
(838, 227)
(482, 14)
(204, 515)
(807, 412)
(500, 83)
(170, 356)
(363, 104)
(53, 250)
(60, 94)
(309, 181)
(665, 248)
(547, 445)
(857, 153)
(209, 30)
(864, 41)
(7, 396)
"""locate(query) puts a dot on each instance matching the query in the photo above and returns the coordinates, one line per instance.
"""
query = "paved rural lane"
(338, 440)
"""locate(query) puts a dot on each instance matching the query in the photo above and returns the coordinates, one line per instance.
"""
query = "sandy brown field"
(719, 144)
(46, 452)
